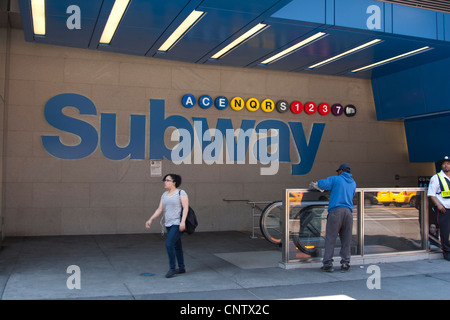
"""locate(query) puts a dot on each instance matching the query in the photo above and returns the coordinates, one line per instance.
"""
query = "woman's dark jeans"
(174, 247)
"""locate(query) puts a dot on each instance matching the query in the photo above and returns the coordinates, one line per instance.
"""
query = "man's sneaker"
(327, 268)
(345, 267)
(177, 271)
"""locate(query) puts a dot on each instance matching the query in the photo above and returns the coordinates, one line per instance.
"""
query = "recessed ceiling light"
(399, 57)
(114, 18)
(294, 48)
(246, 36)
(182, 29)
(346, 53)
(38, 14)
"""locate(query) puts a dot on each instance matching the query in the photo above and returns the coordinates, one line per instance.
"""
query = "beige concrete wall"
(4, 35)
(50, 196)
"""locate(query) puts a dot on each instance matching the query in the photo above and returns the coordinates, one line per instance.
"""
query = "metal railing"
(387, 221)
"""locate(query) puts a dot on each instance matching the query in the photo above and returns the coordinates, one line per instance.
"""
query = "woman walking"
(173, 202)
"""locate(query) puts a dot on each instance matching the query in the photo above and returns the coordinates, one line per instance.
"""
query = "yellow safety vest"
(445, 190)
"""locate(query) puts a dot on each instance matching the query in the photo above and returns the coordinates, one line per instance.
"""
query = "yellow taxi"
(405, 197)
(295, 199)
(398, 198)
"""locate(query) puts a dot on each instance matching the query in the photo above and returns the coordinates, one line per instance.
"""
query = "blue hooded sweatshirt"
(342, 190)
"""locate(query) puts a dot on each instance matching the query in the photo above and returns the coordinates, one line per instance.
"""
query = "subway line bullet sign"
(268, 105)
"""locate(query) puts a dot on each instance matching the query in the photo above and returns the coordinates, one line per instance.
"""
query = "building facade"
(87, 136)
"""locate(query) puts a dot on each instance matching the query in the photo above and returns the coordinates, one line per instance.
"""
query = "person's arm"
(438, 205)
(326, 184)
(155, 215)
(185, 204)
(433, 189)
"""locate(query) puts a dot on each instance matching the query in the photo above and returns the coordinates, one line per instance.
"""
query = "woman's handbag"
(191, 220)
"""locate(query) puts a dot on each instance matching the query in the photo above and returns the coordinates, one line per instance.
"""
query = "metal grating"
(436, 5)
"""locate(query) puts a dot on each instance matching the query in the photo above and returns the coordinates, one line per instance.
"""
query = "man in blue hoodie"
(340, 217)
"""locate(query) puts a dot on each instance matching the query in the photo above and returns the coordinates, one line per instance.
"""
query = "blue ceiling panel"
(411, 21)
(385, 50)
(338, 41)
(276, 36)
(411, 62)
(59, 34)
(302, 57)
(57, 15)
(146, 24)
(241, 6)
(213, 29)
(142, 25)
(223, 22)
(446, 28)
(101, 22)
(424, 138)
(88, 8)
(303, 10)
(354, 14)
(130, 40)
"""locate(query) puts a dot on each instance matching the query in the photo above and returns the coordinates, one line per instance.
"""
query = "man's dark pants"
(339, 222)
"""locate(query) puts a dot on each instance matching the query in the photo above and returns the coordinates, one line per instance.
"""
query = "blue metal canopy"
(146, 24)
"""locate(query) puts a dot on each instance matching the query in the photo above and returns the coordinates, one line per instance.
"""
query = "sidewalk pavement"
(220, 266)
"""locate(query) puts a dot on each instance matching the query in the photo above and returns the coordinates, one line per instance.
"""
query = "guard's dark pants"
(339, 222)
(443, 220)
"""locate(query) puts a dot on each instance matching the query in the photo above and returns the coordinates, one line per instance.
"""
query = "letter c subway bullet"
(205, 101)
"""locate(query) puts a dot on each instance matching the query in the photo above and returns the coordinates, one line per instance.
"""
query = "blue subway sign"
(267, 142)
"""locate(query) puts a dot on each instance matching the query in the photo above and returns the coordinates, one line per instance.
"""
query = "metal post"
(253, 219)
(424, 220)
(285, 225)
(360, 221)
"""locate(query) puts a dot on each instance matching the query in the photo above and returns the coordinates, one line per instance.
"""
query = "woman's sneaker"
(171, 273)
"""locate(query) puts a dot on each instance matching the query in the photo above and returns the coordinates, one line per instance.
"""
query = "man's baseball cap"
(345, 167)
(440, 162)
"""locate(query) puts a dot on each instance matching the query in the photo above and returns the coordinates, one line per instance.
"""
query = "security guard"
(439, 193)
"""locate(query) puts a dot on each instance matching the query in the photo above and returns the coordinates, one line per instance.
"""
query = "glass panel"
(308, 212)
(392, 221)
